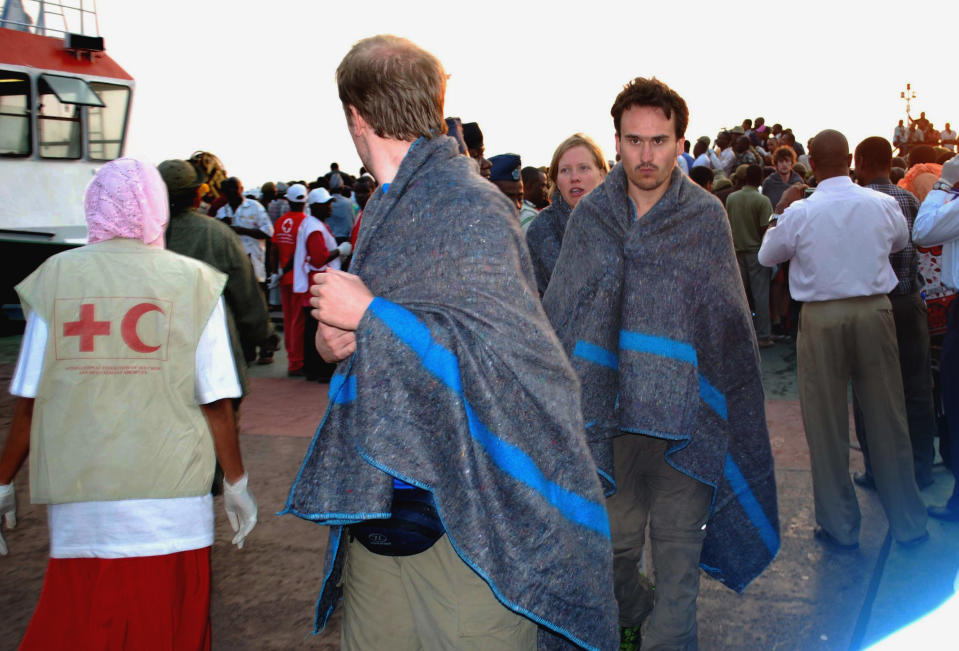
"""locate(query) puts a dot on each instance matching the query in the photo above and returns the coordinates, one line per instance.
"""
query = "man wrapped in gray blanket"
(464, 507)
(647, 299)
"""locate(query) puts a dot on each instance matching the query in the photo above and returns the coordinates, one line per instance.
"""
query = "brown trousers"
(855, 339)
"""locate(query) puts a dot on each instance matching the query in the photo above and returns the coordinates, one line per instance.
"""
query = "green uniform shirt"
(749, 213)
(210, 240)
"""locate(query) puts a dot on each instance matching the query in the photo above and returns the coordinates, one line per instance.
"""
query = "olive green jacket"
(204, 238)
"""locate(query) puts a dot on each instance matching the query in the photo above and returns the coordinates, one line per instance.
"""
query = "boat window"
(71, 90)
(107, 124)
(14, 114)
(58, 123)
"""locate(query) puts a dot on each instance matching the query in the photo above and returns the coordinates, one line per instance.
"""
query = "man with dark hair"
(726, 155)
(776, 183)
(947, 138)
(340, 221)
(873, 158)
(249, 220)
(703, 156)
(703, 176)
(745, 154)
(334, 178)
(847, 332)
(505, 174)
(900, 137)
(789, 139)
(535, 197)
(362, 191)
(749, 213)
(686, 159)
(919, 154)
(473, 136)
(465, 529)
(675, 408)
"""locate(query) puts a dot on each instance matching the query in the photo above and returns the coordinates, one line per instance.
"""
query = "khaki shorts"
(431, 600)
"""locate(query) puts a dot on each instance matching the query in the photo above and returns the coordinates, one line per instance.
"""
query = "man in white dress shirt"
(846, 331)
(947, 138)
(938, 223)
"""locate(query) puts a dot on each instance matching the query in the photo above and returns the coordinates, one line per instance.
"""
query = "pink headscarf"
(127, 198)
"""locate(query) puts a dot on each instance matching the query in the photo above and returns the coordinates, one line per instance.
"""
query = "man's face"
(742, 144)
(535, 192)
(233, 192)
(485, 166)
(362, 192)
(647, 146)
(321, 210)
(513, 190)
(722, 140)
(784, 167)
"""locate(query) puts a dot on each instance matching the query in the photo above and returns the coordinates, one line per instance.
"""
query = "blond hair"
(395, 85)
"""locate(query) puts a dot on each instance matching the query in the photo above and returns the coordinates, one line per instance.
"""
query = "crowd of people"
(532, 370)
(923, 132)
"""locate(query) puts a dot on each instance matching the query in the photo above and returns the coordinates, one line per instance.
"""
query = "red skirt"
(149, 602)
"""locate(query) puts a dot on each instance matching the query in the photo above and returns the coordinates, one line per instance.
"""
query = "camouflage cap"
(180, 175)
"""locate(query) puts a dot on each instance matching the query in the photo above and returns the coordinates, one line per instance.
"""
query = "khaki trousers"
(427, 601)
(855, 339)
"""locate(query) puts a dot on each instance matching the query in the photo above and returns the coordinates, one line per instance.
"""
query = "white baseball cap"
(296, 193)
(319, 195)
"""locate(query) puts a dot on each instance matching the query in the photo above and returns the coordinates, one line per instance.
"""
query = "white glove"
(274, 281)
(950, 171)
(8, 511)
(345, 249)
(240, 508)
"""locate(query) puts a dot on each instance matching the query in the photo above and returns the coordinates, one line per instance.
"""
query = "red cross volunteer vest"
(115, 416)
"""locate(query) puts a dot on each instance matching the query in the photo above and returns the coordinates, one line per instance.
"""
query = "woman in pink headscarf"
(125, 383)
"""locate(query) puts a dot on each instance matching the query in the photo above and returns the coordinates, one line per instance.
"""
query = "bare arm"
(18, 442)
(226, 439)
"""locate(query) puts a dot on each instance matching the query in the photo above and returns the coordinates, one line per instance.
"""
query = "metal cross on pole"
(909, 94)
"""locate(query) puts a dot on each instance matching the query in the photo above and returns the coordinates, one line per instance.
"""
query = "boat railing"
(47, 18)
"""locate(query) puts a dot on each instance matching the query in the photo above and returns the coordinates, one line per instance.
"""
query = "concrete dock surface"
(264, 595)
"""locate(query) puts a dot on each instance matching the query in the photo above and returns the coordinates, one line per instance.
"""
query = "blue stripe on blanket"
(654, 345)
(596, 354)
(750, 505)
(713, 397)
(717, 402)
(342, 389)
(512, 460)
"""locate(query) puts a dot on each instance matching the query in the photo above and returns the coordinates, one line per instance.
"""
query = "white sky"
(253, 82)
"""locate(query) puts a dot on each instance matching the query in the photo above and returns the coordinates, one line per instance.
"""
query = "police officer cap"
(472, 135)
(180, 175)
(506, 167)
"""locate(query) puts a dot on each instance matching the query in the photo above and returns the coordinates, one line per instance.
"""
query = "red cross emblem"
(86, 328)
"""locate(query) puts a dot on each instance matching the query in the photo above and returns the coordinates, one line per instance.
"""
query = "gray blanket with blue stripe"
(654, 317)
(459, 386)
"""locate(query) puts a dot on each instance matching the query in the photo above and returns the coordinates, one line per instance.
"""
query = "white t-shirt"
(251, 214)
(146, 527)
